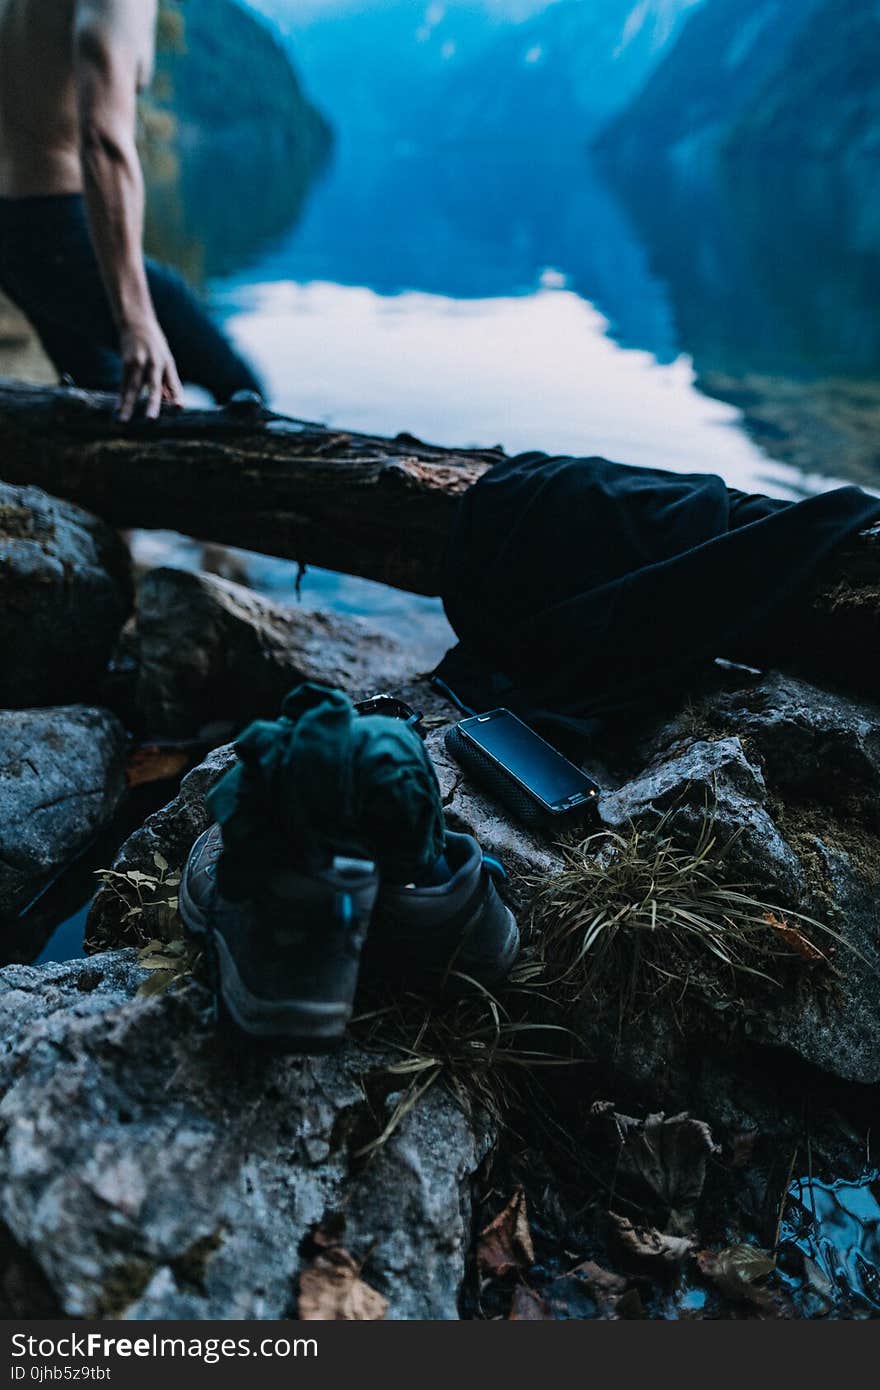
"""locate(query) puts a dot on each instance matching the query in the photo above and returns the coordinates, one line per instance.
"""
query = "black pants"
(48, 268)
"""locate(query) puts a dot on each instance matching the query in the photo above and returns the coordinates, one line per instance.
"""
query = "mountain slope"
(828, 104)
(563, 72)
(727, 54)
(233, 70)
(371, 64)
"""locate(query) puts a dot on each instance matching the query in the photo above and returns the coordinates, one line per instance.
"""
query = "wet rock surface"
(61, 779)
(148, 1172)
(64, 595)
(206, 648)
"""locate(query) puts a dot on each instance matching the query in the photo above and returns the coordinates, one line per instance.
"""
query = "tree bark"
(380, 508)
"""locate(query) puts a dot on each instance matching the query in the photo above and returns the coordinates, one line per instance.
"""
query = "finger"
(131, 390)
(154, 389)
(173, 383)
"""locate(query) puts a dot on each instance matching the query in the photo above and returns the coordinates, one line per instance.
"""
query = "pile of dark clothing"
(581, 589)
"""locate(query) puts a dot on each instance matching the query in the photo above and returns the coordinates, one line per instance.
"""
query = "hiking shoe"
(285, 963)
(457, 925)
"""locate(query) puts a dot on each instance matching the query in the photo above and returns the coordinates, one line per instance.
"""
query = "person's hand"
(147, 367)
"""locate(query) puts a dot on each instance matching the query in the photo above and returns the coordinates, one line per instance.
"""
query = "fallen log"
(364, 505)
(379, 508)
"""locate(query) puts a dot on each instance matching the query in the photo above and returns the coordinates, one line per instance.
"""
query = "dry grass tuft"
(481, 1046)
(638, 919)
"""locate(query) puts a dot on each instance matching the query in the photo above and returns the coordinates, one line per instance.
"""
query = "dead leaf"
(607, 1289)
(328, 1237)
(795, 939)
(737, 1263)
(528, 1306)
(506, 1243)
(169, 963)
(157, 983)
(670, 1155)
(152, 763)
(735, 1271)
(647, 1250)
(601, 1282)
(332, 1290)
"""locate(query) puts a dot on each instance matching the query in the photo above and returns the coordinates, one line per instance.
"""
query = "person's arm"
(110, 41)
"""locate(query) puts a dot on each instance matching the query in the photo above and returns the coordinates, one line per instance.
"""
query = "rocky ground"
(148, 1168)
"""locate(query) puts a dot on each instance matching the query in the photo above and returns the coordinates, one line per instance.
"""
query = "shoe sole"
(289, 1025)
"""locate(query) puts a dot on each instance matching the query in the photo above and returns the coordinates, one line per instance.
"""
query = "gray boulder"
(61, 779)
(148, 1172)
(712, 780)
(837, 1027)
(794, 772)
(64, 595)
(208, 649)
(811, 743)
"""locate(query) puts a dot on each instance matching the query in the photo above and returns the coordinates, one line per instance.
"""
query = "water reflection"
(474, 222)
(770, 267)
(230, 141)
(533, 372)
(836, 1228)
(230, 197)
(773, 276)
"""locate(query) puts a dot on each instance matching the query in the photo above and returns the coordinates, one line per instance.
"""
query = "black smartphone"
(520, 766)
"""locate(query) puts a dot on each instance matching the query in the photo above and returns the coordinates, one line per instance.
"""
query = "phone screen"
(546, 773)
